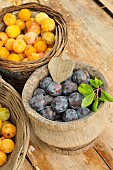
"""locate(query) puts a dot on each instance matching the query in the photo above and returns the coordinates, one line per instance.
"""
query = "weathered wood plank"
(87, 25)
(36, 156)
(44, 158)
(108, 4)
(26, 165)
(105, 147)
(105, 144)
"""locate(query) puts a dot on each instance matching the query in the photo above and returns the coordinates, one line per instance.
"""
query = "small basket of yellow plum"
(14, 128)
(30, 35)
(7, 132)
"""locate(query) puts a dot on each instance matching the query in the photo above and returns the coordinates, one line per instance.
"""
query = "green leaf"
(100, 82)
(95, 106)
(102, 99)
(93, 83)
(85, 89)
(88, 100)
(96, 82)
(107, 96)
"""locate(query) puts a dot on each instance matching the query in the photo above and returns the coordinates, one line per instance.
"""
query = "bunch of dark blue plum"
(61, 101)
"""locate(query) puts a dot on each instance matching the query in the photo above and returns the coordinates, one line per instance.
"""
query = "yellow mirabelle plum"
(7, 145)
(40, 46)
(9, 19)
(48, 37)
(1, 43)
(14, 57)
(9, 131)
(34, 56)
(4, 113)
(24, 14)
(21, 36)
(40, 17)
(19, 46)
(22, 56)
(0, 124)
(29, 49)
(48, 24)
(29, 22)
(30, 38)
(3, 158)
(13, 31)
(9, 43)
(4, 53)
(21, 24)
(34, 27)
(3, 37)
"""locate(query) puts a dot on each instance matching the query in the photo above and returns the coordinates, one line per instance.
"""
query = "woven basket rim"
(62, 125)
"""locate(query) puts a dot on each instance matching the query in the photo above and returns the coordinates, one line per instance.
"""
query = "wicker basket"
(10, 99)
(67, 137)
(16, 73)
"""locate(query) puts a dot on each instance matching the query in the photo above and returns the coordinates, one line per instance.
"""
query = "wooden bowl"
(10, 99)
(66, 137)
(16, 73)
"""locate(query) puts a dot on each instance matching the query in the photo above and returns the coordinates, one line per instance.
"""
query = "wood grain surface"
(90, 40)
(26, 165)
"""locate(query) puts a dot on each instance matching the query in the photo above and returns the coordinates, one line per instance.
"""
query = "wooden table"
(90, 29)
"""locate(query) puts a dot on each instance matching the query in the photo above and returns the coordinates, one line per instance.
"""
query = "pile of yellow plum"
(26, 38)
(7, 133)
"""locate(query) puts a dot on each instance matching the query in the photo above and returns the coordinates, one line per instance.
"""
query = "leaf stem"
(96, 91)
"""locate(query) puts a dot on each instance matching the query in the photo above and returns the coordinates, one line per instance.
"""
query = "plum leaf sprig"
(93, 94)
